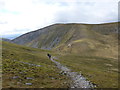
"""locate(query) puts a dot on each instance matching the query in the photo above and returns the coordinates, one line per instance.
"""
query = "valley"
(90, 50)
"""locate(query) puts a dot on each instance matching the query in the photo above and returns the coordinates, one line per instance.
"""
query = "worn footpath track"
(78, 81)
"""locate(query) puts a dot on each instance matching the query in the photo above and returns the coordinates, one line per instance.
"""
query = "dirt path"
(78, 80)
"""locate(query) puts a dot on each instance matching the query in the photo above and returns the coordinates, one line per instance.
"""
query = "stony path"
(78, 80)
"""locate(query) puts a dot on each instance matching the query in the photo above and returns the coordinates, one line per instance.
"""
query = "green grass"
(101, 71)
(46, 76)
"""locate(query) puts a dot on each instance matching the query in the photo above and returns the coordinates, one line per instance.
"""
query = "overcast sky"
(21, 16)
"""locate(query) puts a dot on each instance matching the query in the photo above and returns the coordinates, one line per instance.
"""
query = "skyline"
(21, 16)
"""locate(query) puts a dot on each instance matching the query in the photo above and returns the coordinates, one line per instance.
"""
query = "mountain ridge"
(64, 24)
(73, 38)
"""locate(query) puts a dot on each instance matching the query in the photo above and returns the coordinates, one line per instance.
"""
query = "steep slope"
(74, 38)
(25, 67)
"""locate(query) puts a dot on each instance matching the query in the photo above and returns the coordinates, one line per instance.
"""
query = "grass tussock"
(17, 74)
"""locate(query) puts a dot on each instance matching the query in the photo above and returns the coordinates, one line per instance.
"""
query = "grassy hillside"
(18, 70)
(88, 48)
(101, 71)
(23, 66)
(105, 46)
(97, 39)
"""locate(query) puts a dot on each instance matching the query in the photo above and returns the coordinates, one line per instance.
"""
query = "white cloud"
(21, 16)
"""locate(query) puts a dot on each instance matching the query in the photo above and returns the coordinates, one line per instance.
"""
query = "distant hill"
(5, 39)
(86, 39)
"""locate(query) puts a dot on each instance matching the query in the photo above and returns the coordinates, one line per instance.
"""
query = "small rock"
(20, 72)
(18, 82)
(29, 78)
(52, 78)
(15, 77)
(28, 83)
(38, 65)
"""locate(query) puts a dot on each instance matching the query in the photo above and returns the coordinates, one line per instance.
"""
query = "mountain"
(84, 39)
(88, 49)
